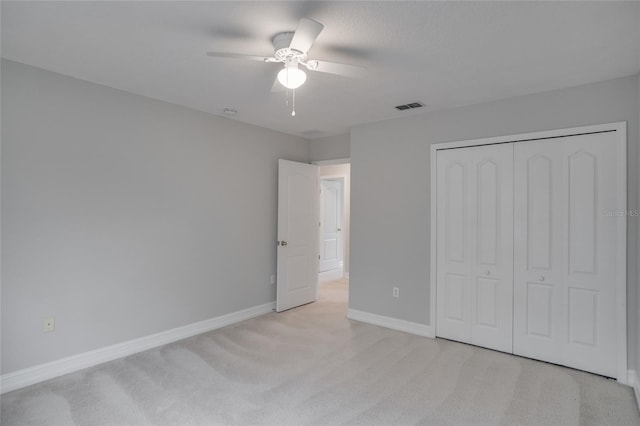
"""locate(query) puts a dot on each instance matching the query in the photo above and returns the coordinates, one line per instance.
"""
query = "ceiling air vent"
(412, 105)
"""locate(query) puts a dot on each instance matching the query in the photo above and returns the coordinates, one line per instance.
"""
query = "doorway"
(335, 179)
(331, 224)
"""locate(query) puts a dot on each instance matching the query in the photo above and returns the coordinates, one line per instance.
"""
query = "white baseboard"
(634, 381)
(393, 323)
(39, 373)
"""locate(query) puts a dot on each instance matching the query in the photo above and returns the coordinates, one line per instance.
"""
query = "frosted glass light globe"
(292, 77)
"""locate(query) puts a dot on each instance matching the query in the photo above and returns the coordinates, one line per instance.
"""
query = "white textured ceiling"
(444, 54)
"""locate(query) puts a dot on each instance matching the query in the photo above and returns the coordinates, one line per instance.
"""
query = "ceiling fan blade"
(306, 33)
(240, 56)
(338, 69)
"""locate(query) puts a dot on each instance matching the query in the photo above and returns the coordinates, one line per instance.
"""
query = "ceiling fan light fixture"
(291, 76)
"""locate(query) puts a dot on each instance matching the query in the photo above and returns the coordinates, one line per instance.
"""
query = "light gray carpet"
(311, 365)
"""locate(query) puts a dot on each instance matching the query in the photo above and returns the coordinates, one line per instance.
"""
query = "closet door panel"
(491, 203)
(589, 185)
(453, 259)
(474, 240)
(538, 324)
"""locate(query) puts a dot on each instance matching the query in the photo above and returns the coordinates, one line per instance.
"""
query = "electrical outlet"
(273, 279)
(49, 325)
(396, 292)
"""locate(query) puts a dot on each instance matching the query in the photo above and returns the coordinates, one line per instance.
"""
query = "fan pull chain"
(293, 109)
(293, 96)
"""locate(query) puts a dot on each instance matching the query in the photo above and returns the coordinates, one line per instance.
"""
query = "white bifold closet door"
(475, 245)
(565, 251)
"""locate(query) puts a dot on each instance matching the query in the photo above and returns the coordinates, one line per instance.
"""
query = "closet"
(528, 250)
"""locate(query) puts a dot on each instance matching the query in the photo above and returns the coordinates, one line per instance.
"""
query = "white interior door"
(453, 280)
(590, 251)
(566, 252)
(330, 224)
(568, 246)
(298, 208)
(474, 281)
(539, 328)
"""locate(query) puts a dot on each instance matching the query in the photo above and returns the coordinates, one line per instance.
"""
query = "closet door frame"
(621, 227)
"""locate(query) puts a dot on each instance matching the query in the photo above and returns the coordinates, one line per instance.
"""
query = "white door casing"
(330, 224)
(298, 208)
(475, 234)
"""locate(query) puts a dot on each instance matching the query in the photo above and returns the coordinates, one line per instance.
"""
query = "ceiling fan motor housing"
(281, 50)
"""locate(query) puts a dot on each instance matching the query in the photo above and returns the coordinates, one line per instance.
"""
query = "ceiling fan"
(291, 50)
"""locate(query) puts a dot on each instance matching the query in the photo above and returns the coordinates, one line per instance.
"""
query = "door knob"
(339, 230)
(541, 277)
(488, 272)
(282, 243)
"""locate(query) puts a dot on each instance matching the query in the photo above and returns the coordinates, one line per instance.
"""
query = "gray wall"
(390, 186)
(123, 216)
(330, 148)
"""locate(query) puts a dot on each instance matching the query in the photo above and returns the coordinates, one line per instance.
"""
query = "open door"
(298, 209)
(330, 224)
